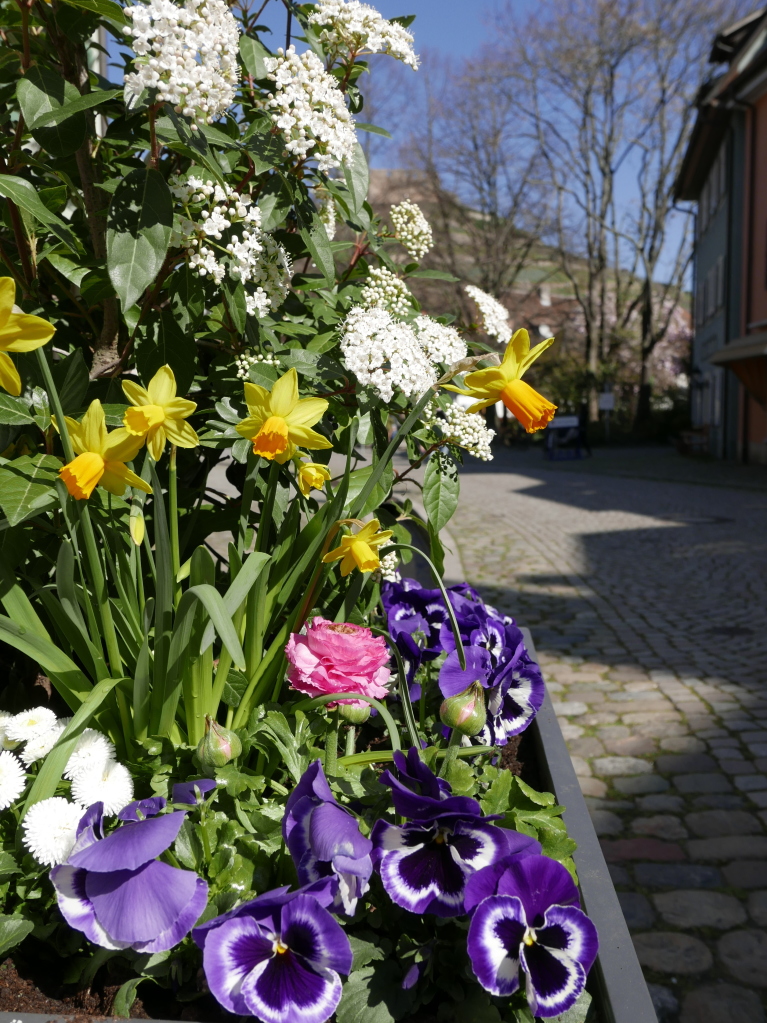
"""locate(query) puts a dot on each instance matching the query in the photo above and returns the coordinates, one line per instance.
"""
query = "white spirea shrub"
(352, 28)
(468, 430)
(187, 52)
(440, 343)
(494, 316)
(221, 233)
(411, 228)
(385, 354)
(385, 290)
(309, 109)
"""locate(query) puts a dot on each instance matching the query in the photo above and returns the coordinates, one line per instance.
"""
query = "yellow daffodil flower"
(504, 383)
(19, 332)
(361, 549)
(279, 420)
(158, 415)
(311, 475)
(101, 457)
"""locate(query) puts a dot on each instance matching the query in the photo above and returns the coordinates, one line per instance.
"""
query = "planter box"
(616, 981)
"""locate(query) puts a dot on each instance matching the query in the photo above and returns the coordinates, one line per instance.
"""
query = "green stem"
(320, 701)
(331, 745)
(248, 492)
(175, 553)
(451, 752)
(351, 740)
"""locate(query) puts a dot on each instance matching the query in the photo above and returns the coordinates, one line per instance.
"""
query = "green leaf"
(27, 486)
(73, 272)
(125, 997)
(24, 195)
(364, 952)
(234, 688)
(71, 379)
(252, 53)
(476, 1008)
(441, 488)
(433, 275)
(43, 94)
(234, 293)
(138, 233)
(104, 8)
(374, 995)
(372, 128)
(239, 589)
(317, 242)
(14, 412)
(496, 799)
(165, 343)
(13, 930)
(8, 866)
(213, 603)
(86, 102)
(357, 177)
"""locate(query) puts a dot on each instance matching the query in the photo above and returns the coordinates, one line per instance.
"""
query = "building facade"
(726, 159)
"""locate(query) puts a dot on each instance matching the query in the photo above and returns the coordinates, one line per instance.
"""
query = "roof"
(742, 46)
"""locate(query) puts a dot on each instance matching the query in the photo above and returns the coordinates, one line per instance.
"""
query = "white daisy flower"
(92, 752)
(41, 745)
(5, 718)
(50, 829)
(29, 724)
(12, 779)
(109, 783)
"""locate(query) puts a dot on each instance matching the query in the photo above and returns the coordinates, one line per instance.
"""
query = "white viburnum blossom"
(12, 779)
(91, 752)
(109, 783)
(50, 829)
(495, 317)
(221, 233)
(467, 430)
(309, 109)
(41, 745)
(440, 343)
(388, 567)
(384, 354)
(354, 28)
(245, 360)
(187, 52)
(386, 291)
(411, 228)
(29, 724)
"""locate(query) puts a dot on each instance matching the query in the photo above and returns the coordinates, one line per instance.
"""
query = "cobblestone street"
(647, 600)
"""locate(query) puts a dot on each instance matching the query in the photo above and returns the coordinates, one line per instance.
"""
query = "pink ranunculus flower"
(338, 657)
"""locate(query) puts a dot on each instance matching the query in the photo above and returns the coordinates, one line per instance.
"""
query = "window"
(714, 189)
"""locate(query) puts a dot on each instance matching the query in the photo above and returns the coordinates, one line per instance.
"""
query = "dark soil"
(19, 993)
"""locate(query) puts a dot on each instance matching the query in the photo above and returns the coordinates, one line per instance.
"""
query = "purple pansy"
(424, 864)
(530, 921)
(497, 658)
(118, 894)
(277, 958)
(324, 839)
(192, 792)
(414, 617)
(140, 809)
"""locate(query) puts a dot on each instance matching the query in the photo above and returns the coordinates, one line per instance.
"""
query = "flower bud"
(353, 714)
(218, 746)
(466, 711)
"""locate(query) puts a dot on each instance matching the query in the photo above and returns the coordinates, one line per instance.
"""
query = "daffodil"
(280, 421)
(19, 332)
(311, 475)
(360, 550)
(101, 456)
(504, 383)
(158, 415)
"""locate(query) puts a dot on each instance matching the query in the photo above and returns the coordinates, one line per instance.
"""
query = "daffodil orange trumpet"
(280, 421)
(19, 332)
(100, 456)
(504, 383)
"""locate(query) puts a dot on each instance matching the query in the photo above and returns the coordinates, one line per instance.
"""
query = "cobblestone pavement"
(647, 601)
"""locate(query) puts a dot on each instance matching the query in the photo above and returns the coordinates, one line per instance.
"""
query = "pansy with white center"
(526, 918)
(30, 723)
(424, 864)
(110, 783)
(278, 957)
(12, 779)
(50, 829)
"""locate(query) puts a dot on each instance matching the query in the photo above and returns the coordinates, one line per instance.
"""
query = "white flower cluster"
(188, 53)
(356, 28)
(385, 354)
(386, 291)
(412, 228)
(309, 109)
(468, 430)
(244, 361)
(221, 233)
(388, 567)
(441, 343)
(50, 825)
(495, 317)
